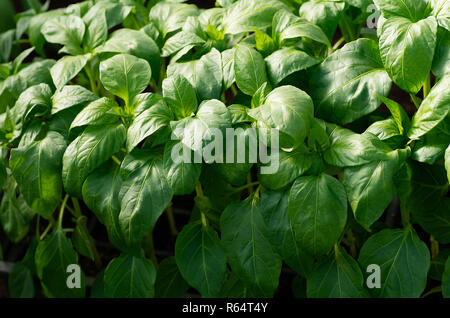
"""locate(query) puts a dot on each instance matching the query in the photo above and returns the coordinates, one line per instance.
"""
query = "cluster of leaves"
(89, 133)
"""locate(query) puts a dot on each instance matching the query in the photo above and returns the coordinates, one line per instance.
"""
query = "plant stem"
(199, 190)
(116, 160)
(49, 226)
(405, 215)
(338, 44)
(171, 218)
(61, 210)
(415, 100)
(426, 86)
(352, 243)
(150, 248)
(434, 290)
(245, 187)
(434, 247)
(91, 80)
(249, 183)
(76, 205)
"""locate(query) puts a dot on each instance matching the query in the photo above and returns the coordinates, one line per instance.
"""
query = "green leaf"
(125, 75)
(336, 277)
(350, 149)
(87, 152)
(53, 256)
(180, 96)
(67, 68)
(96, 32)
(147, 123)
(249, 69)
(179, 41)
(130, 276)
(99, 112)
(413, 10)
(98, 287)
(70, 96)
(104, 201)
(246, 240)
(407, 50)
(263, 42)
(318, 212)
(290, 111)
(243, 15)
(114, 12)
(286, 61)
(37, 169)
(211, 114)
(67, 30)
(144, 194)
(434, 108)
(323, 13)
(208, 75)
(431, 147)
(370, 187)
(181, 176)
(169, 282)
(441, 10)
(345, 86)
(441, 60)
(20, 282)
(399, 115)
(15, 215)
(82, 240)
(274, 209)
(135, 43)
(292, 165)
(201, 258)
(404, 261)
(304, 29)
(6, 40)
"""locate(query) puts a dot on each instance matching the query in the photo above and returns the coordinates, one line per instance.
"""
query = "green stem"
(426, 86)
(248, 185)
(405, 216)
(150, 248)
(77, 208)
(91, 79)
(199, 190)
(434, 247)
(171, 218)
(434, 290)
(415, 100)
(249, 182)
(51, 224)
(338, 44)
(61, 210)
(116, 160)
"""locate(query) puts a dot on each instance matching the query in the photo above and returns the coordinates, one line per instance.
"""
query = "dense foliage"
(92, 94)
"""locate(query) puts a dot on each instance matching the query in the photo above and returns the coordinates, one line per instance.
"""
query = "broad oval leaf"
(37, 169)
(125, 75)
(336, 277)
(345, 86)
(130, 276)
(249, 69)
(395, 251)
(201, 258)
(246, 240)
(144, 194)
(407, 50)
(318, 212)
(87, 152)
